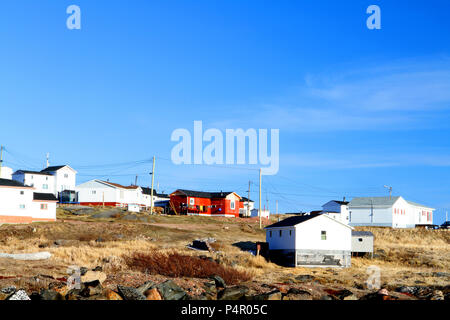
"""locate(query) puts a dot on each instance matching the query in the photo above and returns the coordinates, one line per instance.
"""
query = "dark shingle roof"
(292, 221)
(12, 183)
(244, 199)
(361, 233)
(52, 168)
(34, 172)
(149, 192)
(341, 202)
(44, 196)
(201, 194)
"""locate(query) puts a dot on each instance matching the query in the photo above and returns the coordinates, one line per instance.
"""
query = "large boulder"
(297, 294)
(272, 295)
(233, 293)
(48, 294)
(130, 293)
(91, 288)
(169, 290)
(218, 281)
(153, 294)
(145, 287)
(90, 276)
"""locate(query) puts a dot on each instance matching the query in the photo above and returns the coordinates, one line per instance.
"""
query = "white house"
(5, 172)
(394, 212)
(337, 210)
(247, 207)
(21, 204)
(41, 181)
(157, 197)
(98, 192)
(310, 240)
(65, 178)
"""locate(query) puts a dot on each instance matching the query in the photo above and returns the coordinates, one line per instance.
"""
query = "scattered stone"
(219, 282)
(145, 287)
(437, 295)
(233, 293)
(130, 293)
(19, 295)
(339, 294)
(407, 289)
(424, 293)
(91, 288)
(441, 274)
(273, 295)
(73, 294)
(83, 270)
(304, 278)
(169, 290)
(153, 294)
(27, 256)
(112, 295)
(99, 240)
(90, 276)
(46, 294)
(4, 296)
(8, 290)
(97, 268)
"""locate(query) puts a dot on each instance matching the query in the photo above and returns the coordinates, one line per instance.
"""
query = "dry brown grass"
(405, 257)
(174, 264)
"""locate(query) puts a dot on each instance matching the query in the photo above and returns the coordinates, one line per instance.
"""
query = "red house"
(224, 204)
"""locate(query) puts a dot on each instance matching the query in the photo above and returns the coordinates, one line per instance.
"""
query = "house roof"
(244, 199)
(56, 168)
(12, 183)
(292, 221)
(375, 201)
(33, 172)
(417, 204)
(202, 194)
(44, 196)
(119, 185)
(340, 202)
(362, 233)
(149, 192)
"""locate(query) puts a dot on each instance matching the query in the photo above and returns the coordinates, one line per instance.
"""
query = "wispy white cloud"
(399, 96)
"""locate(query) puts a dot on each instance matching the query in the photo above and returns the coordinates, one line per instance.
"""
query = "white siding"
(285, 241)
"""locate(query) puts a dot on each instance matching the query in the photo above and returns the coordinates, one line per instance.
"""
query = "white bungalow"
(394, 212)
(41, 181)
(310, 240)
(97, 192)
(21, 204)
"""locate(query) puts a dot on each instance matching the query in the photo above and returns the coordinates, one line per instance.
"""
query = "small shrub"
(177, 265)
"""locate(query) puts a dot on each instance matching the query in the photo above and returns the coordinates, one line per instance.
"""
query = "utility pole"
(260, 180)
(1, 160)
(390, 191)
(151, 193)
(248, 199)
(446, 216)
(135, 180)
(276, 206)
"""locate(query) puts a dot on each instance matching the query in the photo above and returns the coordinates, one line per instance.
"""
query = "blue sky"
(357, 109)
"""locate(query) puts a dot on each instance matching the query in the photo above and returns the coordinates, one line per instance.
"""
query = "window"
(360, 239)
(290, 232)
(270, 234)
(66, 175)
(232, 205)
(45, 186)
(44, 206)
(281, 233)
(191, 201)
(94, 191)
(323, 235)
(22, 206)
(22, 193)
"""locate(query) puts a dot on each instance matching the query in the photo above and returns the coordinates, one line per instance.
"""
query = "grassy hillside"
(406, 257)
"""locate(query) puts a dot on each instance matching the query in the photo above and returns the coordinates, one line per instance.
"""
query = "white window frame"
(191, 201)
(232, 205)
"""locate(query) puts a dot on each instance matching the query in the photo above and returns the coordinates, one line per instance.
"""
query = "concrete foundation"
(312, 258)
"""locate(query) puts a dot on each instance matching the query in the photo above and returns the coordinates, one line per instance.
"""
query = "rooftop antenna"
(47, 162)
(390, 191)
